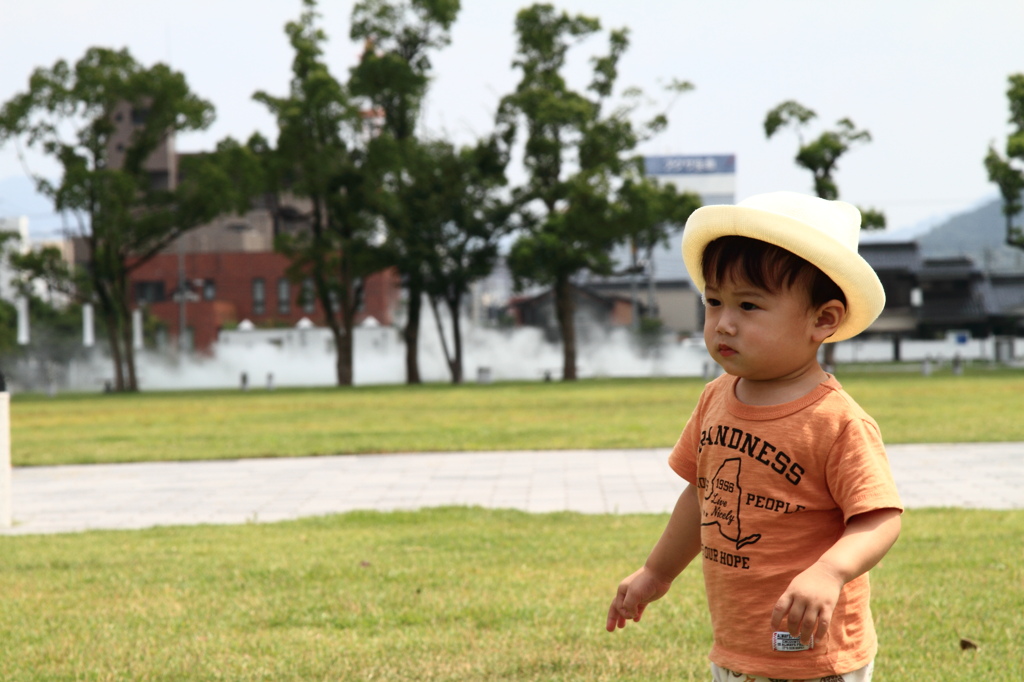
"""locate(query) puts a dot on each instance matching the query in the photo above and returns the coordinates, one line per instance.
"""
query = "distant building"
(959, 276)
(225, 272)
(220, 274)
(663, 288)
(592, 311)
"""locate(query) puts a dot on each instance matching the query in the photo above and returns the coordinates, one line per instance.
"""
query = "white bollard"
(137, 329)
(5, 459)
(21, 305)
(88, 328)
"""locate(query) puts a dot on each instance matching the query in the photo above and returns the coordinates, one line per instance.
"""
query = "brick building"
(223, 273)
(226, 271)
(225, 285)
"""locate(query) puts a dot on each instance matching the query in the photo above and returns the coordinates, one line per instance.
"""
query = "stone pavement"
(130, 496)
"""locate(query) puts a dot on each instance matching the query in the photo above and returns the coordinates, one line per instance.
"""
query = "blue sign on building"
(702, 164)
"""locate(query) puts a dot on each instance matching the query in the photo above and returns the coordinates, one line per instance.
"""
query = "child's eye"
(746, 305)
(712, 302)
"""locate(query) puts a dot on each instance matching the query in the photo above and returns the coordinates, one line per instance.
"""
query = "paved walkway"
(126, 496)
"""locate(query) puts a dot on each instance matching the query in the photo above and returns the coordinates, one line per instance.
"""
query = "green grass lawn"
(456, 594)
(621, 413)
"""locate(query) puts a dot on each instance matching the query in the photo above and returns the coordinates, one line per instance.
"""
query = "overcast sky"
(927, 78)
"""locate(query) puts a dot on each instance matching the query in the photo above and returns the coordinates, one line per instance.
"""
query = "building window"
(149, 292)
(284, 296)
(209, 290)
(308, 296)
(259, 296)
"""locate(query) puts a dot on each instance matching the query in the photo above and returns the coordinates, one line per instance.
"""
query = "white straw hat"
(824, 233)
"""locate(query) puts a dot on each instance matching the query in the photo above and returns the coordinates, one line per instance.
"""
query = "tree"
(124, 213)
(320, 157)
(1006, 171)
(392, 76)
(820, 156)
(8, 312)
(653, 211)
(44, 280)
(575, 154)
(464, 218)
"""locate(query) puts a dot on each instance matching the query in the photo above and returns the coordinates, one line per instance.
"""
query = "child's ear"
(828, 317)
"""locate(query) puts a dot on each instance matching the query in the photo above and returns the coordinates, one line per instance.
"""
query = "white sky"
(927, 78)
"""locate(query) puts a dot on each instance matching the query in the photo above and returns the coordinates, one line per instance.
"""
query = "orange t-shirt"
(776, 486)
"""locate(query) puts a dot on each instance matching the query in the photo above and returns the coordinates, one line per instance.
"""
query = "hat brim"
(865, 296)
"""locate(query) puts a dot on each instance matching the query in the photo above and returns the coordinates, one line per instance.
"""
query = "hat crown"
(837, 220)
(824, 233)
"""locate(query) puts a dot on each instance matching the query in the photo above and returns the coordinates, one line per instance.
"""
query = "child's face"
(758, 334)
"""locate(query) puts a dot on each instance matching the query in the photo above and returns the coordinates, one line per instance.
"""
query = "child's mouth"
(725, 351)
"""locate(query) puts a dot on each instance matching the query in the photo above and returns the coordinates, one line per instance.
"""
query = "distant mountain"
(974, 231)
(979, 233)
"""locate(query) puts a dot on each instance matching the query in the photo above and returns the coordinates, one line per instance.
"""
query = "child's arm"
(811, 597)
(678, 545)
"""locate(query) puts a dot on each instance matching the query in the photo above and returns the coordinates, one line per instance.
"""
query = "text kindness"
(755, 448)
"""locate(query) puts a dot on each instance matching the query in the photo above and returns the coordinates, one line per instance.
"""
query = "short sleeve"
(858, 473)
(683, 458)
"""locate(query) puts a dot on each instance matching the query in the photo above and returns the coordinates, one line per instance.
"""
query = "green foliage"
(1005, 172)
(820, 155)
(789, 113)
(123, 214)
(653, 210)
(8, 330)
(584, 192)
(392, 79)
(393, 72)
(872, 219)
(48, 267)
(456, 594)
(320, 160)
(453, 203)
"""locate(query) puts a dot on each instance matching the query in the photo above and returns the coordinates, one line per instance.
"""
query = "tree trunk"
(565, 311)
(108, 311)
(128, 355)
(411, 334)
(344, 337)
(120, 299)
(345, 355)
(453, 308)
(114, 338)
(449, 359)
(341, 331)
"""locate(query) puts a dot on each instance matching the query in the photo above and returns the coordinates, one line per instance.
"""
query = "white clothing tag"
(783, 641)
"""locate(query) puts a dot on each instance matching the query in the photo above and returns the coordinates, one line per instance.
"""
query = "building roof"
(900, 256)
(960, 268)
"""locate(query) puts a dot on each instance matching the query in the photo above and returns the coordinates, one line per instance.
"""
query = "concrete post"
(5, 456)
(88, 328)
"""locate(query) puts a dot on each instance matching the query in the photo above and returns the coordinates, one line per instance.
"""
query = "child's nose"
(726, 324)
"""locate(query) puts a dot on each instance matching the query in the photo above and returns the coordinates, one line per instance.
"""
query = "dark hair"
(766, 266)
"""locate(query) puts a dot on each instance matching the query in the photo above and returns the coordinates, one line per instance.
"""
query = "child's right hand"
(633, 596)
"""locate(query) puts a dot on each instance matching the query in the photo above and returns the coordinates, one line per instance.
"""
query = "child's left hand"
(808, 603)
